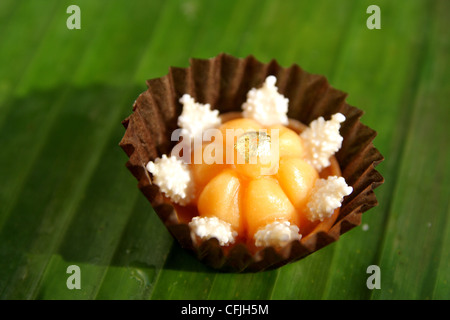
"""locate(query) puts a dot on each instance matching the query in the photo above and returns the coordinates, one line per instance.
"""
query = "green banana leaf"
(66, 197)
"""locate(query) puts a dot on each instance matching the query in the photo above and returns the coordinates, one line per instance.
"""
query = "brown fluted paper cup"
(223, 82)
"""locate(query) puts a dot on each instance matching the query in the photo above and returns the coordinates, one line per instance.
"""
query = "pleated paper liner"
(223, 82)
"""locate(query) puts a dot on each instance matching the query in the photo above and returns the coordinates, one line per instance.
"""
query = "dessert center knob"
(253, 144)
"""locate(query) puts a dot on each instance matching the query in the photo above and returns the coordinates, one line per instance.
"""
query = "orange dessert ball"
(259, 176)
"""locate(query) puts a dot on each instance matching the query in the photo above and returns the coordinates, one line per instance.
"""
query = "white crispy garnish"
(322, 140)
(173, 177)
(212, 227)
(196, 117)
(277, 234)
(266, 105)
(326, 196)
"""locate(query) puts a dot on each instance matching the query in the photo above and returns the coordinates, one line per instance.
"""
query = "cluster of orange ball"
(246, 197)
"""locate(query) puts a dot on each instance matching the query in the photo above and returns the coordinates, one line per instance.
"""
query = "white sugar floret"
(322, 140)
(266, 105)
(212, 227)
(196, 117)
(326, 196)
(277, 234)
(173, 177)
